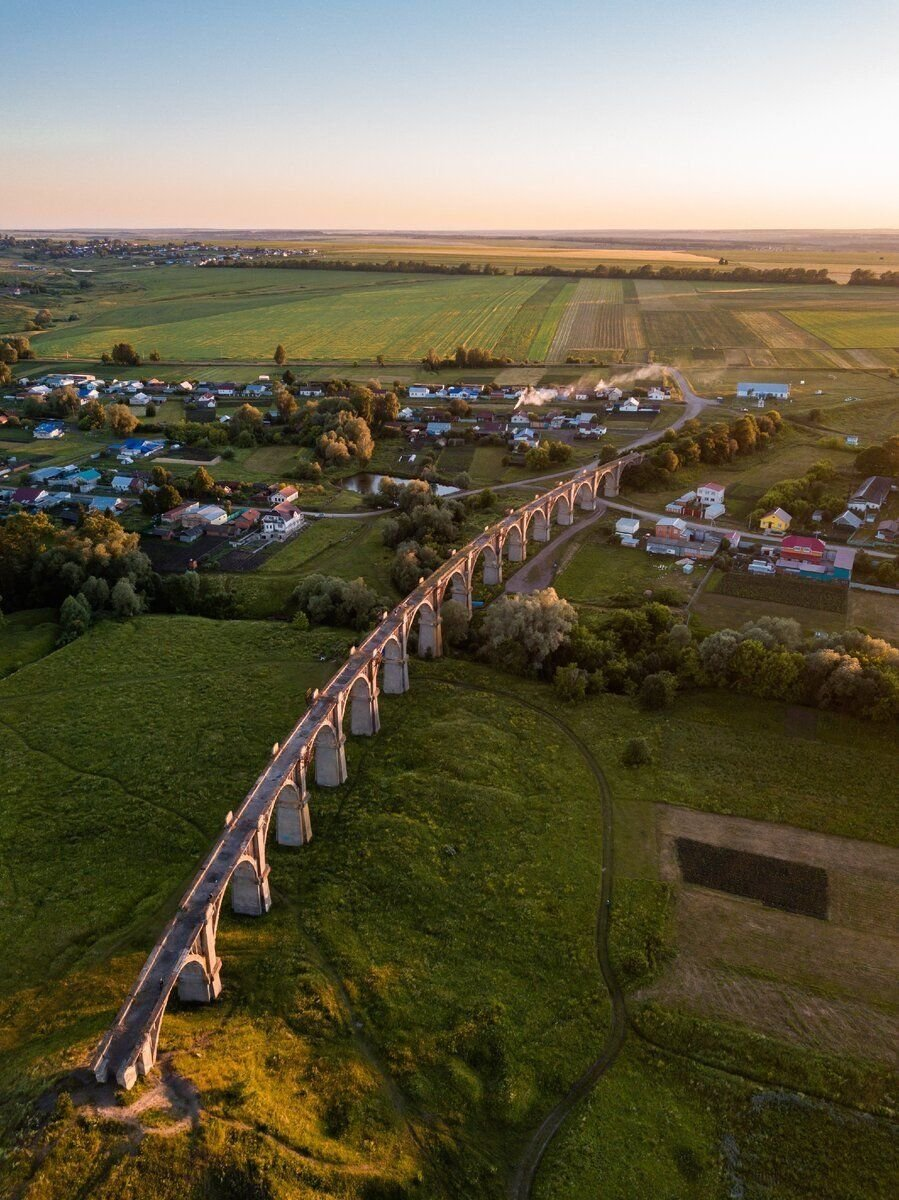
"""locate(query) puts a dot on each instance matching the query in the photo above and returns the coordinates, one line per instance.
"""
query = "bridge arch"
(585, 495)
(394, 664)
(427, 616)
(329, 756)
(515, 543)
(293, 823)
(363, 701)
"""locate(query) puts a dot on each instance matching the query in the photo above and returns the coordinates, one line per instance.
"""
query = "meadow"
(424, 987)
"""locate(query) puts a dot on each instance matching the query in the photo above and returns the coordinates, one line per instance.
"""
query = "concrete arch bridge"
(185, 956)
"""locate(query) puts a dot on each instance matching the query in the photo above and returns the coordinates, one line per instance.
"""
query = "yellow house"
(776, 521)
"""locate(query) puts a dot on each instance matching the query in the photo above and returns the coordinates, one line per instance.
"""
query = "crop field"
(849, 328)
(235, 317)
(352, 316)
(597, 317)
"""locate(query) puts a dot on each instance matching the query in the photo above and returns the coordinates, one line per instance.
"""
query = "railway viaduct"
(185, 956)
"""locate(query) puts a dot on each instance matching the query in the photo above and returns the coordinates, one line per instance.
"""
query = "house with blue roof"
(49, 429)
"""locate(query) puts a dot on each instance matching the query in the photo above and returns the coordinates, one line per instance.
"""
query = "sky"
(449, 114)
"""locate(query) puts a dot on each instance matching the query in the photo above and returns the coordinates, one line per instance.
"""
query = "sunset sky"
(428, 114)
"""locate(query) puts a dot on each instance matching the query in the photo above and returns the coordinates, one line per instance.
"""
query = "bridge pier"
(611, 482)
(564, 515)
(539, 530)
(461, 593)
(430, 634)
(293, 821)
(200, 981)
(493, 571)
(364, 718)
(515, 547)
(396, 673)
(330, 757)
(250, 893)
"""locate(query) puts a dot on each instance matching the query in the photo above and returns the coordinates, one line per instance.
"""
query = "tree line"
(862, 277)
(786, 275)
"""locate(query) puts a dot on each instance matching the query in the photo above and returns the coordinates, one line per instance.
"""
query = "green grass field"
(26, 637)
(424, 987)
(600, 569)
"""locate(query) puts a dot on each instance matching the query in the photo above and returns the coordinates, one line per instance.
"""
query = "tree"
(570, 683)
(284, 401)
(5, 374)
(167, 497)
(539, 623)
(154, 356)
(74, 618)
(636, 752)
(454, 622)
(43, 318)
(93, 416)
(125, 355)
(247, 419)
(280, 355)
(66, 401)
(657, 691)
(120, 419)
(125, 600)
(96, 591)
(202, 485)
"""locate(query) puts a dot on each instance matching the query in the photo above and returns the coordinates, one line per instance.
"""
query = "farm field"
(229, 317)
(850, 328)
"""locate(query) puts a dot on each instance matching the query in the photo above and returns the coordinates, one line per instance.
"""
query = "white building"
(627, 527)
(763, 391)
(280, 522)
(710, 493)
(418, 391)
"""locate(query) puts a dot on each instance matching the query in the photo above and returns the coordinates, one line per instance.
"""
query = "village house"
(887, 531)
(870, 496)
(203, 515)
(672, 537)
(281, 522)
(174, 516)
(28, 497)
(810, 558)
(710, 493)
(283, 494)
(776, 521)
(49, 429)
(417, 391)
(848, 520)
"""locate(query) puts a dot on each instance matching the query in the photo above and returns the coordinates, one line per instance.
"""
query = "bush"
(570, 683)
(636, 753)
(657, 691)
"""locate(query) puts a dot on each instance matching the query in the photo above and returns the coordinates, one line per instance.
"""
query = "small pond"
(366, 484)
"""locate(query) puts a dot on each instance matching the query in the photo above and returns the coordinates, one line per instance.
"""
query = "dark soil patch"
(778, 883)
(176, 556)
(193, 454)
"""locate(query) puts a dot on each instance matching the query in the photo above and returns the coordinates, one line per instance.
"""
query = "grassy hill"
(424, 988)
